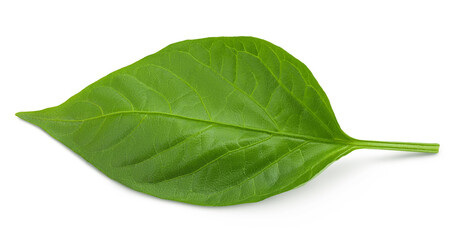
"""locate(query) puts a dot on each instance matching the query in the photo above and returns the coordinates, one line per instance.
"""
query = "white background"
(392, 71)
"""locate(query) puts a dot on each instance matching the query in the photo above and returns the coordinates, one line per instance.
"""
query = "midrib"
(285, 134)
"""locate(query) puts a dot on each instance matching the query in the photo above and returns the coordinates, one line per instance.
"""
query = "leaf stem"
(398, 146)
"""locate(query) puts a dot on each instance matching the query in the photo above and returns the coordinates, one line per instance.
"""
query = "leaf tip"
(21, 115)
(26, 116)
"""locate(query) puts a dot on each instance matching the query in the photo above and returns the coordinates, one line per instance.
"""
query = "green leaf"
(215, 121)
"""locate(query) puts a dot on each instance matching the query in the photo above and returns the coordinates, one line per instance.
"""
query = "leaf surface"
(214, 121)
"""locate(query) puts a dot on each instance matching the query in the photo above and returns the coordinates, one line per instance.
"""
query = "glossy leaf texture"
(214, 121)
